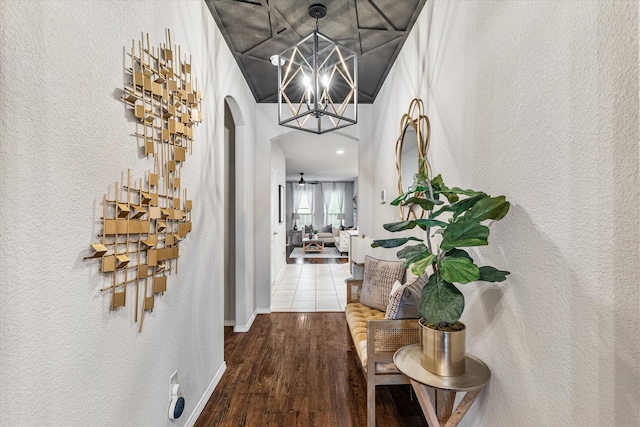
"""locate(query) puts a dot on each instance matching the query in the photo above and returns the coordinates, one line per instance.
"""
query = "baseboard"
(229, 323)
(205, 397)
(247, 326)
(263, 310)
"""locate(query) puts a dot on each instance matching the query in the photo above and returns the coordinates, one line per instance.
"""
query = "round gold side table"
(441, 411)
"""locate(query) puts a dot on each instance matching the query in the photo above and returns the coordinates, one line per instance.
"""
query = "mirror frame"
(414, 118)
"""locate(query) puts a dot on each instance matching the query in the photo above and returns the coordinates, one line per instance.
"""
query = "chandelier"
(317, 82)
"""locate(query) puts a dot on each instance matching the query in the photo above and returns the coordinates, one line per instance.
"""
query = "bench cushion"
(357, 315)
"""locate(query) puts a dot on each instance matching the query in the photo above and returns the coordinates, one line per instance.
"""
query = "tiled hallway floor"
(310, 287)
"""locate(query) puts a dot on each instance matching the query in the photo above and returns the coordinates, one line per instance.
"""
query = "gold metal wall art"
(144, 222)
(411, 152)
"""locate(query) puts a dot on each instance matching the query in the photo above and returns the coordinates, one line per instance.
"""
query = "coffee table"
(312, 245)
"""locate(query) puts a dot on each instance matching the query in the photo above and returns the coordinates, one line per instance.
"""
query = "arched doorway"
(239, 247)
(229, 236)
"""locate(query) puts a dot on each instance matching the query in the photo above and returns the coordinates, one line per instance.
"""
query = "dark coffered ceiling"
(256, 29)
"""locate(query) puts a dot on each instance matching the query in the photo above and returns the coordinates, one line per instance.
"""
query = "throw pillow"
(308, 229)
(410, 277)
(404, 299)
(396, 285)
(379, 276)
(326, 228)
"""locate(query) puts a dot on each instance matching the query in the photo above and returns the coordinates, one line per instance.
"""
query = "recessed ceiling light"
(340, 152)
(274, 60)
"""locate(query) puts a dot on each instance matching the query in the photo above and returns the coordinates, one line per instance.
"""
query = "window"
(334, 210)
(306, 214)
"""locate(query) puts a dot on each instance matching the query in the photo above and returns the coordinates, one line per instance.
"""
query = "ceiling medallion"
(317, 83)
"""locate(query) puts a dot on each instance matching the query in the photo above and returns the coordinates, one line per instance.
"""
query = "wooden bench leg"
(371, 403)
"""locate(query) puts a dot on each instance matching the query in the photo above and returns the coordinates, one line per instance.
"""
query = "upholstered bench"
(376, 334)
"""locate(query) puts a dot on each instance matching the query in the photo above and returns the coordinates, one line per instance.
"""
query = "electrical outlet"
(176, 402)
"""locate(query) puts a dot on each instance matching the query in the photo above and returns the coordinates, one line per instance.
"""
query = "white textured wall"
(65, 138)
(537, 101)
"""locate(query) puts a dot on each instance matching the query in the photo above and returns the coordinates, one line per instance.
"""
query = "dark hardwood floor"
(297, 369)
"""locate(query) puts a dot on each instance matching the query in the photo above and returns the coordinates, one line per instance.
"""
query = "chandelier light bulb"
(325, 81)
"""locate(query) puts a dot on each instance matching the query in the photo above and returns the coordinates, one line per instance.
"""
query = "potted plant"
(455, 216)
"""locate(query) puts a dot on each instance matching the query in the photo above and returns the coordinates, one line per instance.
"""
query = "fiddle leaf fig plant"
(457, 215)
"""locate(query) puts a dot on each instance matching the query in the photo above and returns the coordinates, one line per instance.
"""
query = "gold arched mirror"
(411, 147)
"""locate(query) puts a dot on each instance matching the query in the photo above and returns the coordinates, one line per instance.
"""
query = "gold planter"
(442, 353)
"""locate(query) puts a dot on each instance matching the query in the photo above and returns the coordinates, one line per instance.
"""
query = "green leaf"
(440, 301)
(437, 181)
(401, 198)
(435, 214)
(459, 253)
(413, 254)
(393, 243)
(424, 202)
(399, 226)
(420, 266)
(420, 189)
(491, 274)
(408, 251)
(469, 193)
(464, 234)
(488, 208)
(421, 177)
(458, 270)
(426, 222)
(439, 188)
(465, 204)
(451, 197)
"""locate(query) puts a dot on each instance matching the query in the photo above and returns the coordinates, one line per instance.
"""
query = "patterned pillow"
(308, 229)
(403, 303)
(378, 279)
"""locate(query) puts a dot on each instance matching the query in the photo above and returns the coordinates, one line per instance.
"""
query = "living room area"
(320, 220)
(318, 212)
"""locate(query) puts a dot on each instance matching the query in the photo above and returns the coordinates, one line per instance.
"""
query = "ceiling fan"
(302, 182)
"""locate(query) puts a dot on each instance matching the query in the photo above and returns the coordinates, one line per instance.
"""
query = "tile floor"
(310, 287)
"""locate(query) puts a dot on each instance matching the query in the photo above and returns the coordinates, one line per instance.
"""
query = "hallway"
(297, 369)
(310, 288)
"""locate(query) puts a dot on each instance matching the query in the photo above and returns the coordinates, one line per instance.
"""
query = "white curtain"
(297, 195)
(309, 189)
(340, 186)
(327, 188)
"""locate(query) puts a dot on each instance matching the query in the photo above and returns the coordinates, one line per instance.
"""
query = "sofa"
(325, 233)
(382, 316)
(331, 236)
(342, 241)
